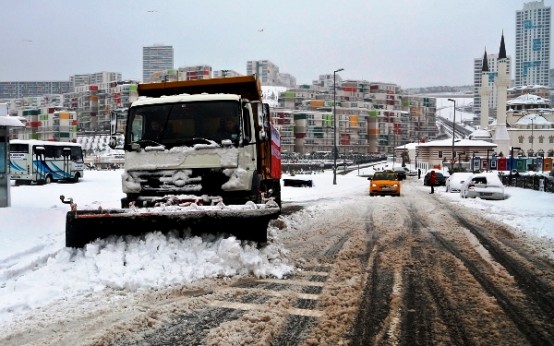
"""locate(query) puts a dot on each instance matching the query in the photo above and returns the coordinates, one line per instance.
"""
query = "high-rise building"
(532, 58)
(156, 58)
(13, 90)
(269, 74)
(94, 78)
(266, 71)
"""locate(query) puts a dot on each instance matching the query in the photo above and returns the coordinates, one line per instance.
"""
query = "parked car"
(483, 185)
(401, 172)
(411, 172)
(455, 181)
(439, 176)
(406, 171)
(384, 183)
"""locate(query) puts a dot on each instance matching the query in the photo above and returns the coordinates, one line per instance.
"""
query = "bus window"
(76, 154)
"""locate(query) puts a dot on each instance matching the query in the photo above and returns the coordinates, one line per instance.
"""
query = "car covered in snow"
(484, 186)
(384, 183)
(454, 182)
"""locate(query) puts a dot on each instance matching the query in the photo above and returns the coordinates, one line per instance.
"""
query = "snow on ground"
(36, 269)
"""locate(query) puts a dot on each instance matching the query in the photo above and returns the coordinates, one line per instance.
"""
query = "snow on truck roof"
(184, 98)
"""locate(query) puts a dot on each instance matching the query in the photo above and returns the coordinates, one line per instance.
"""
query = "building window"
(520, 139)
(440, 153)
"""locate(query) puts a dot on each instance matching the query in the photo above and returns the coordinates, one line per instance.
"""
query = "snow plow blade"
(248, 222)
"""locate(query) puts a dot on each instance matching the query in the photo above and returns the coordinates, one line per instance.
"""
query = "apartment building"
(532, 57)
(94, 78)
(195, 72)
(269, 73)
(17, 90)
(370, 118)
(156, 58)
(47, 124)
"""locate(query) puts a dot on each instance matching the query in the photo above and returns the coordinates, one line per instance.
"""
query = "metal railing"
(534, 182)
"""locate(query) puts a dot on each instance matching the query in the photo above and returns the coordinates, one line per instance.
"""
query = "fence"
(535, 182)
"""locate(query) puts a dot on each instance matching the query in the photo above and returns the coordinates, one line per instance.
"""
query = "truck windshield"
(178, 124)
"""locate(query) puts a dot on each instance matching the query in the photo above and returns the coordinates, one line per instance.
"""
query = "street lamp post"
(335, 127)
(415, 153)
(453, 134)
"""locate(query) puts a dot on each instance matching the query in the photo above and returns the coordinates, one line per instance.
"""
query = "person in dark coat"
(228, 130)
(432, 181)
(418, 173)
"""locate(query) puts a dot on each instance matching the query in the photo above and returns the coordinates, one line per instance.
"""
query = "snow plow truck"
(201, 156)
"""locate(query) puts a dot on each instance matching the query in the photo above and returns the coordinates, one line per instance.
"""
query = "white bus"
(42, 162)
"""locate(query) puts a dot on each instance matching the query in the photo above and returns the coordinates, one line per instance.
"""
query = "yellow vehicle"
(384, 183)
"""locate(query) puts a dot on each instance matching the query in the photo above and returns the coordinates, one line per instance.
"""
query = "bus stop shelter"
(6, 122)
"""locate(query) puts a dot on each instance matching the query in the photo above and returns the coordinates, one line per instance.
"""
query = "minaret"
(485, 93)
(501, 136)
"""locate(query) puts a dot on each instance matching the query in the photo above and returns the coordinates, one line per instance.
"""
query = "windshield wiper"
(144, 142)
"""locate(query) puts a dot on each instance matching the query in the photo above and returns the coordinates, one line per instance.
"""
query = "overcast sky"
(413, 43)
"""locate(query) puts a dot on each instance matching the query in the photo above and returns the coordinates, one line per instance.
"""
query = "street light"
(453, 132)
(416, 155)
(335, 128)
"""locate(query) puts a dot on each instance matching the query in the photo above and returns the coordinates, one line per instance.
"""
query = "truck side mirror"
(117, 140)
(246, 122)
(263, 120)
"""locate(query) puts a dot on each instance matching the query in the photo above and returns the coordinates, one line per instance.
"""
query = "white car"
(455, 181)
(484, 186)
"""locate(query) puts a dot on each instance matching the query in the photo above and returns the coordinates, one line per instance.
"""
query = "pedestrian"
(418, 173)
(432, 181)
